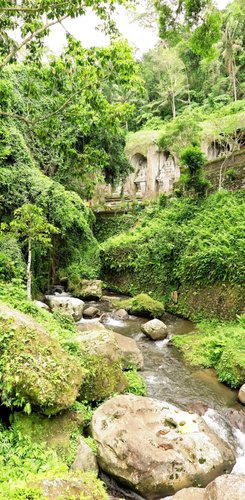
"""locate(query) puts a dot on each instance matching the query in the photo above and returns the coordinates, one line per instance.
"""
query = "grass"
(217, 345)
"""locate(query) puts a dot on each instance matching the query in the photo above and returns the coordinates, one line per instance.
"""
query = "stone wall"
(227, 171)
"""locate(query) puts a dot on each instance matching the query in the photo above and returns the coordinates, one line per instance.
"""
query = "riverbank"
(192, 249)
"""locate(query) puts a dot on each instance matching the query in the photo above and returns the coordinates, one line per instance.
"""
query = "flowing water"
(168, 378)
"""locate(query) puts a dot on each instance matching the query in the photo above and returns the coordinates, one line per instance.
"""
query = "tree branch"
(18, 117)
(53, 113)
(18, 8)
(42, 118)
(28, 39)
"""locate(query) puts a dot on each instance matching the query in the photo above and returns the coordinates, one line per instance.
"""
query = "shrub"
(193, 158)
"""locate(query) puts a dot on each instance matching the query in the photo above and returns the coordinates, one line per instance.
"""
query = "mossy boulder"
(142, 305)
(90, 289)
(98, 342)
(35, 371)
(87, 487)
(103, 379)
(113, 346)
(57, 432)
(75, 486)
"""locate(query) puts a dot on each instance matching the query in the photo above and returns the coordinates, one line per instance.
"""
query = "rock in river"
(226, 487)
(130, 354)
(90, 289)
(241, 394)
(91, 312)
(97, 340)
(67, 305)
(120, 314)
(155, 329)
(155, 448)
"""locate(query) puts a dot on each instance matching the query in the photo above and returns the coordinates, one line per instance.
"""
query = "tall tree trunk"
(28, 273)
(230, 61)
(233, 79)
(173, 104)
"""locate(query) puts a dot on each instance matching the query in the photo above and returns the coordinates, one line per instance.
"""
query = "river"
(169, 379)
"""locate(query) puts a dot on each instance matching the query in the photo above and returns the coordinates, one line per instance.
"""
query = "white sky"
(84, 29)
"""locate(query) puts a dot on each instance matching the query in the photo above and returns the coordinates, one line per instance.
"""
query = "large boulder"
(189, 494)
(141, 305)
(90, 326)
(42, 305)
(69, 306)
(241, 394)
(90, 289)
(35, 369)
(100, 356)
(236, 418)
(155, 448)
(226, 487)
(99, 342)
(85, 459)
(103, 379)
(155, 329)
(130, 354)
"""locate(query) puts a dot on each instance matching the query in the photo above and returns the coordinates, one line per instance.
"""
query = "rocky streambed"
(137, 445)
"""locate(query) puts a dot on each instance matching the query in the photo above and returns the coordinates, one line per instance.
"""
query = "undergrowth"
(217, 345)
(185, 242)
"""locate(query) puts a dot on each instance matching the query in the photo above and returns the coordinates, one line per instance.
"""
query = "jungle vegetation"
(64, 124)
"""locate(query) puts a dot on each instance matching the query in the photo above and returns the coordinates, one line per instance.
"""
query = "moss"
(224, 301)
(187, 246)
(60, 433)
(35, 371)
(140, 141)
(21, 492)
(103, 379)
(76, 486)
(142, 305)
(136, 383)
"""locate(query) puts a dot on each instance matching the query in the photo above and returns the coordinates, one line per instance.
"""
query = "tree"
(32, 227)
(167, 69)
(231, 45)
(199, 18)
(35, 18)
(72, 129)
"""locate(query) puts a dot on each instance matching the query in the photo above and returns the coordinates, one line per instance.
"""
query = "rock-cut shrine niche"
(140, 163)
(166, 173)
(218, 148)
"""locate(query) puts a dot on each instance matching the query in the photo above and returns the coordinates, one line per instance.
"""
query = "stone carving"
(140, 179)
(166, 175)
